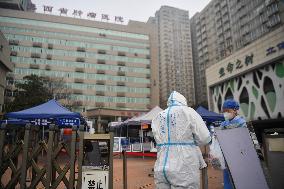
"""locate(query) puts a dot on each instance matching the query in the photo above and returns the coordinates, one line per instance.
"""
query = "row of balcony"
(82, 70)
(103, 93)
(103, 82)
(79, 49)
(78, 59)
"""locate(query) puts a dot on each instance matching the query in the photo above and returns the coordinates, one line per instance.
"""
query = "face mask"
(228, 116)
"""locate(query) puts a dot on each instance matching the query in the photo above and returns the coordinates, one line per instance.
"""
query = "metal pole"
(204, 172)
(73, 157)
(124, 169)
(43, 140)
(142, 140)
(99, 125)
(127, 131)
(111, 161)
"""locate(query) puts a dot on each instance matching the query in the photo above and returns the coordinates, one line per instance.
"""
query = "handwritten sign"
(95, 179)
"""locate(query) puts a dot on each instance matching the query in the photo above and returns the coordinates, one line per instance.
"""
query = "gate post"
(2, 139)
(80, 159)
(73, 157)
(36, 141)
(49, 156)
(54, 146)
(25, 156)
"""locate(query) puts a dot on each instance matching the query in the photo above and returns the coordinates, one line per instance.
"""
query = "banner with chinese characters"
(68, 122)
(61, 122)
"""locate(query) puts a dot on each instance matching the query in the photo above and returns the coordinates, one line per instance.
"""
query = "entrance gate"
(28, 160)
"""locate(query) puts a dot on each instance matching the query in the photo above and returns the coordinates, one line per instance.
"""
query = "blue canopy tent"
(46, 113)
(209, 116)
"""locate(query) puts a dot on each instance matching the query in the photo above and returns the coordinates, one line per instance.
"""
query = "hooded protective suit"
(178, 130)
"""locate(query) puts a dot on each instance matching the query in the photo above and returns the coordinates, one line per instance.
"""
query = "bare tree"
(60, 90)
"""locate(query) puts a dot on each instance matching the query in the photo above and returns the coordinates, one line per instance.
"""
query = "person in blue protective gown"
(178, 130)
(232, 120)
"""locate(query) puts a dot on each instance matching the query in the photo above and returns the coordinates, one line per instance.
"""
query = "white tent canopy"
(146, 118)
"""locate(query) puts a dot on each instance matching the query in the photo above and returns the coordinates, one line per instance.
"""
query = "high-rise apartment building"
(175, 55)
(25, 5)
(103, 65)
(204, 48)
(224, 26)
(253, 19)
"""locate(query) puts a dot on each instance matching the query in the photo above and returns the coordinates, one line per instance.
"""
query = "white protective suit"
(178, 130)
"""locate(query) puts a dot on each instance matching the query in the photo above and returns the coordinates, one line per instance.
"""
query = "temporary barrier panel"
(242, 159)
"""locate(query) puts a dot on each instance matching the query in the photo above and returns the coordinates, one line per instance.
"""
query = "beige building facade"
(254, 76)
(5, 66)
(103, 65)
(225, 26)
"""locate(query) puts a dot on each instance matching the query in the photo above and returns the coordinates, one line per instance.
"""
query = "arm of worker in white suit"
(200, 132)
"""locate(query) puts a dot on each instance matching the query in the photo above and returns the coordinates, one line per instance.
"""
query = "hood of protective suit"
(176, 99)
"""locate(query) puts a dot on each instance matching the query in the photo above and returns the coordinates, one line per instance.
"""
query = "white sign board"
(95, 179)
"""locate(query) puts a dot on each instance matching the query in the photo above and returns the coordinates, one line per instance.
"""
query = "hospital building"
(110, 70)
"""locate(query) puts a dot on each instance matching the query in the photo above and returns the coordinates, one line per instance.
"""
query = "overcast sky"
(139, 10)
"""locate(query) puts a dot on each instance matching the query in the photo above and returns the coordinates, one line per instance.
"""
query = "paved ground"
(137, 173)
(138, 170)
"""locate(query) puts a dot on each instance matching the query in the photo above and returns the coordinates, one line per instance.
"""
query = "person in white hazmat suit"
(178, 130)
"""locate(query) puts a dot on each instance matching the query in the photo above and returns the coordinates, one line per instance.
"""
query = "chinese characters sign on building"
(238, 64)
(79, 13)
(271, 50)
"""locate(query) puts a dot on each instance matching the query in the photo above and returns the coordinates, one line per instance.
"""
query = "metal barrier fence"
(28, 160)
